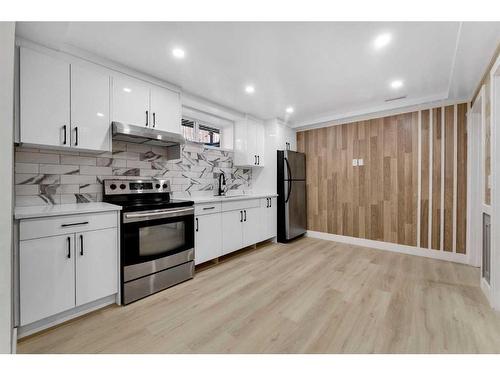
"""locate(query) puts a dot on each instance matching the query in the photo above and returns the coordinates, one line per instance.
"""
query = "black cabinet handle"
(208, 208)
(73, 224)
(270, 202)
(69, 247)
(245, 211)
(81, 244)
(197, 224)
(255, 161)
(147, 118)
(241, 216)
(76, 135)
(64, 129)
(258, 159)
(154, 119)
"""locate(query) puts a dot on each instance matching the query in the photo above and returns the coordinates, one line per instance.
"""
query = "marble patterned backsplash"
(47, 177)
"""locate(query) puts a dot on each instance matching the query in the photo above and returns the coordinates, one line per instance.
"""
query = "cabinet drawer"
(57, 225)
(239, 205)
(207, 208)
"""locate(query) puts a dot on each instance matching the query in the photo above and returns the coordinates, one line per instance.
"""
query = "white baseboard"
(388, 246)
(486, 288)
(54, 320)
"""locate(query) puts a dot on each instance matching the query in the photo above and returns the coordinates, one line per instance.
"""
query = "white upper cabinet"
(89, 109)
(165, 112)
(130, 101)
(44, 99)
(138, 103)
(249, 138)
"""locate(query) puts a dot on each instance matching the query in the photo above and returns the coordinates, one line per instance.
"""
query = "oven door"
(156, 240)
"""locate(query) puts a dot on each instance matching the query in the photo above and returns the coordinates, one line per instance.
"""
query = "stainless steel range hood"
(144, 135)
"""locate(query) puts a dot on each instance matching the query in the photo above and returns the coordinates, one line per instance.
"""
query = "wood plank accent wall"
(378, 200)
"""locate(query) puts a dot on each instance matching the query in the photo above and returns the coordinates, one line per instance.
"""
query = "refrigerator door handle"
(289, 172)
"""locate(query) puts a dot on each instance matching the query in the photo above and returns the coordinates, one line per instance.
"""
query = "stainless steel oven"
(157, 239)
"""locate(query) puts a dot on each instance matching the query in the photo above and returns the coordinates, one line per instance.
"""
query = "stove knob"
(157, 186)
(164, 186)
(123, 186)
(112, 186)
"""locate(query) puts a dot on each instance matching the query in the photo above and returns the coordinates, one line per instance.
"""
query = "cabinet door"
(263, 232)
(291, 138)
(165, 110)
(208, 237)
(89, 110)
(260, 139)
(251, 142)
(96, 265)
(46, 276)
(130, 101)
(232, 236)
(251, 227)
(272, 218)
(44, 99)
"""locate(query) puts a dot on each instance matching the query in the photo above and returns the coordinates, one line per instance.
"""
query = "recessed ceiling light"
(289, 110)
(382, 40)
(249, 89)
(126, 89)
(178, 52)
(99, 114)
(396, 84)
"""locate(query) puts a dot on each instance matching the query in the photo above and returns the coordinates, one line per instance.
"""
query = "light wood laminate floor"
(310, 296)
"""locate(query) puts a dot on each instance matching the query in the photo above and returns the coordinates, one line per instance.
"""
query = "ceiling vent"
(398, 98)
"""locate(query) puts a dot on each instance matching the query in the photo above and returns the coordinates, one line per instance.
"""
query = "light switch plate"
(354, 162)
(361, 162)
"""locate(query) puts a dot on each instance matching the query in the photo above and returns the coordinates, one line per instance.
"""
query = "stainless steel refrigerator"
(292, 204)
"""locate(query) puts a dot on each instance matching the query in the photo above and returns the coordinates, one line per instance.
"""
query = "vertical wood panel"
(449, 156)
(378, 200)
(424, 178)
(436, 179)
(461, 178)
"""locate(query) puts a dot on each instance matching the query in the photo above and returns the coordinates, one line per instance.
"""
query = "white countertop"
(229, 198)
(63, 209)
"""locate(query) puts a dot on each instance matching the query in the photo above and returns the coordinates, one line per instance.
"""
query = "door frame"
(495, 183)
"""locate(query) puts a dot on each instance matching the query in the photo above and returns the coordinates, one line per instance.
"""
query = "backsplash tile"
(45, 177)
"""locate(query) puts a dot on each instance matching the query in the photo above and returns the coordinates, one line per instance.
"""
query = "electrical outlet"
(361, 162)
(354, 162)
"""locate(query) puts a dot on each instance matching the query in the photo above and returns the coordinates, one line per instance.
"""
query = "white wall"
(6, 155)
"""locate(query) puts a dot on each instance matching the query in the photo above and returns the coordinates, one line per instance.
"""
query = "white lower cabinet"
(251, 227)
(60, 270)
(207, 237)
(96, 265)
(268, 218)
(47, 277)
(232, 235)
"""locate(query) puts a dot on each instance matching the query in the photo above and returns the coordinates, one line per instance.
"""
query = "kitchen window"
(200, 132)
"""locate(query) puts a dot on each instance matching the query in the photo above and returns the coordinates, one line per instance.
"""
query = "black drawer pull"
(73, 224)
(76, 135)
(241, 216)
(197, 224)
(245, 211)
(208, 208)
(64, 129)
(69, 247)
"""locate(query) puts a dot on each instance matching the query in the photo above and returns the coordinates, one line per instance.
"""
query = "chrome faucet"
(222, 182)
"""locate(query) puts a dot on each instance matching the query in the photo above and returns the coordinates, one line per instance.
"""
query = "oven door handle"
(142, 216)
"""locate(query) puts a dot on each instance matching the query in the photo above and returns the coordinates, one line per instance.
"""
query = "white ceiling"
(324, 70)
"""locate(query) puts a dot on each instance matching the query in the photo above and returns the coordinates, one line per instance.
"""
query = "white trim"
(387, 246)
(431, 163)
(419, 172)
(376, 112)
(486, 288)
(65, 316)
(455, 168)
(441, 218)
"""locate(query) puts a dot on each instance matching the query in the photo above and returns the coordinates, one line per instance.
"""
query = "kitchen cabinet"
(89, 109)
(65, 262)
(62, 105)
(165, 110)
(232, 231)
(268, 218)
(137, 103)
(47, 277)
(249, 139)
(96, 265)
(251, 227)
(44, 99)
(130, 101)
(208, 237)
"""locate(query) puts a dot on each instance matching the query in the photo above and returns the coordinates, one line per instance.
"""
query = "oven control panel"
(114, 187)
